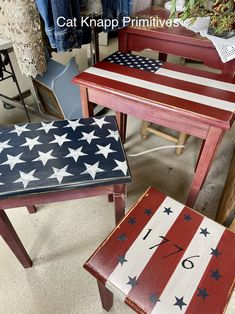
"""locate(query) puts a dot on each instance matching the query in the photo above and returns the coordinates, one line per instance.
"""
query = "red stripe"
(220, 290)
(170, 82)
(159, 270)
(160, 99)
(105, 259)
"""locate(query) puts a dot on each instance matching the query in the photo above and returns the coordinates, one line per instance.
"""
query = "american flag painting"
(205, 94)
(60, 155)
(166, 258)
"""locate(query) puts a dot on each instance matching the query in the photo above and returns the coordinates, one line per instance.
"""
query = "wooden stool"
(226, 211)
(62, 160)
(165, 258)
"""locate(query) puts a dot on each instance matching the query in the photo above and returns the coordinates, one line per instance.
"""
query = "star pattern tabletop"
(39, 157)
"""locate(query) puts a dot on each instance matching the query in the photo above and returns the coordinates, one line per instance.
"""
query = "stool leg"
(106, 296)
(110, 198)
(181, 141)
(144, 131)
(32, 209)
(11, 238)
(120, 201)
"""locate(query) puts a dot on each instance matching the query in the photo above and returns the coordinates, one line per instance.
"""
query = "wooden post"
(106, 296)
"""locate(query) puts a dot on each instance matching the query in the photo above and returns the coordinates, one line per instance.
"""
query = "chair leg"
(32, 209)
(106, 296)
(144, 131)
(11, 238)
(181, 141)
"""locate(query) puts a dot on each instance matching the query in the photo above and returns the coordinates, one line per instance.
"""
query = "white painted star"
(31, 142)
(114, 134)
(105, 150)
(60, 140)
(59, 174)
(4, 145)
(13, 160)
(100, 122)
(73, 124)
(92, 169)
(89, 136)
(25, 178)
(47, 126)
(19, 129)
(121, 165)
(44, 157)
(75, 153)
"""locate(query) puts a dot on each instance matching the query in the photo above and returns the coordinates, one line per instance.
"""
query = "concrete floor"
(61, 237)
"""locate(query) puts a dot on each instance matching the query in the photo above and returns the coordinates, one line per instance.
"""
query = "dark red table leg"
(119, 201)
(32, 209)
(210, 146)
(110, 198)
(87, 107)
(11, 238)
(106, 296)
(121, 122)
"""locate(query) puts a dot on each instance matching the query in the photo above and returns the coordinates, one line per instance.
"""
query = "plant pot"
(225, 35)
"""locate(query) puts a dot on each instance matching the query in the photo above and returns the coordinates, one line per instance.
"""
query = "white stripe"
(139, 253)
(197, 79)
(184, 282)
(205, 100)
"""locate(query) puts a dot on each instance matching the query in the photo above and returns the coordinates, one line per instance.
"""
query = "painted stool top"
(166, 258)
(61, 155)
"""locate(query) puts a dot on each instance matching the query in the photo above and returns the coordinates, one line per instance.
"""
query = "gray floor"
(61, 237)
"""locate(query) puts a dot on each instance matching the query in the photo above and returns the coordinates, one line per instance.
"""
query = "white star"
(13, 160)
(100, 122)
(89, 136)
(4, 145)
(59, 174)
(75, 153)
(31, 142)
(92, 169)
(47, 126)
(44, 157)
(105, 150)
(114, 134)
(73, 124)
(60, 140)
(121, 165)
(25, 178)
(20, 129)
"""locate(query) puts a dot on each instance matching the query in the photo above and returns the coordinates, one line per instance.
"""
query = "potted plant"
(221, 13)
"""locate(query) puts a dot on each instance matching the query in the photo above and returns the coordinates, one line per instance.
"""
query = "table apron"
(181, 121)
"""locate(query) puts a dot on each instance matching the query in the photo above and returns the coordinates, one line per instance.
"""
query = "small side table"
(62, 160)
(166, 258)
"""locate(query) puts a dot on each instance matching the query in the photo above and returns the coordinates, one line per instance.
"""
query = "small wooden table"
(165, 258)
(176, 40)
(63, 160)
(191, 101)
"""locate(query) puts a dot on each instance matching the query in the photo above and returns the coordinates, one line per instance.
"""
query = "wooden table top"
(177, 88)
(44, 157)
(166, 258)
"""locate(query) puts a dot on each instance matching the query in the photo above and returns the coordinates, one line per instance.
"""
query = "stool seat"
(166, 258)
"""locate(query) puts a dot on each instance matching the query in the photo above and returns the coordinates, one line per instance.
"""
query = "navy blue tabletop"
(61, 155)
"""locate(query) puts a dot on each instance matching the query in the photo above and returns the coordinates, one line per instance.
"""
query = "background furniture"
(226, 211)
(177, 41)
(187, 102)
(50, 162)
(166, 258)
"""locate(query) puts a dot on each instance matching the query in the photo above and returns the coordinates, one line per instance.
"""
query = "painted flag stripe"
(106, 255)
(218, 289)
(118, 279)
(159, 269)
(212, 84)
(157, 97)
(182, 283)
(189, 96)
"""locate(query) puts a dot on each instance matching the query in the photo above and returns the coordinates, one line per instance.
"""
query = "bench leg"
(122, 123)
(11, 238)
(110, 198)
(182, 138)
(144, 131)
(106, 296)
(32, 209)
(119, 201)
